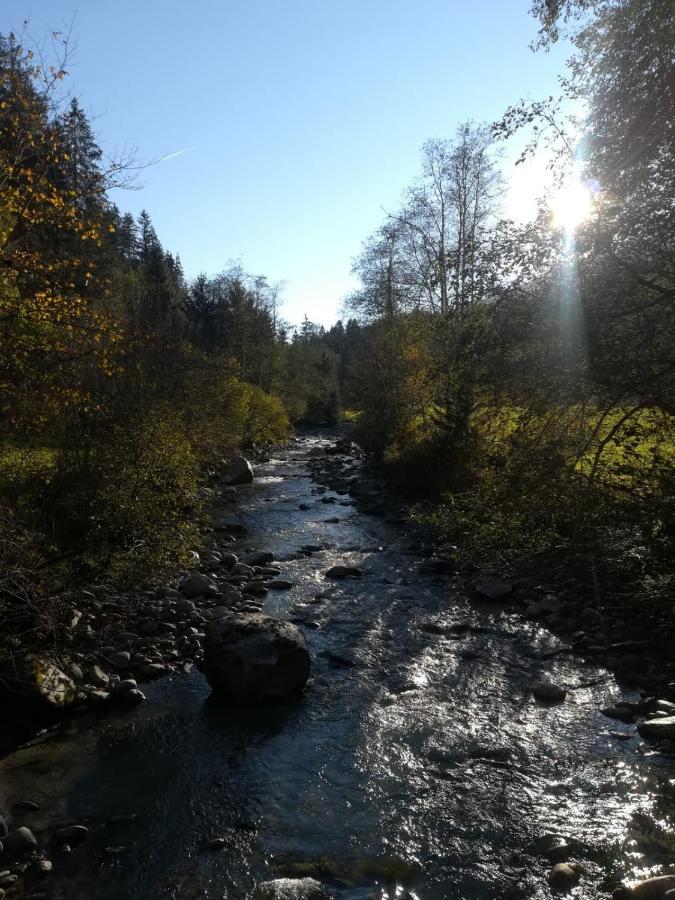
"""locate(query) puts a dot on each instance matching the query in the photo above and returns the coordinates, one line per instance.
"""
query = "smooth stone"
(258, 558)
(26, 805)
(198, 585)
(563, 877)
(649, 889)
(343, 572)
(546, 690)
(120, 660)
(236, 471)
(549, 845)
(72, 833)
(132, 697)
(185, 606)
(254, 658)
(20, 841)
(620, 713)
(279, 584)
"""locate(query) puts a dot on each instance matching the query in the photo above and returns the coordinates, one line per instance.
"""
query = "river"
(416, 763)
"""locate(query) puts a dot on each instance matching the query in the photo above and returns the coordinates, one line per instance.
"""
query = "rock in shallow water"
(546, 690)
(343, 572)
(650, 889)
(563, 877)
(237, 471)
(255, 658)
(659, 729)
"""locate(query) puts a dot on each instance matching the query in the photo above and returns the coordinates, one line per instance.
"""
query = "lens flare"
(571, 205)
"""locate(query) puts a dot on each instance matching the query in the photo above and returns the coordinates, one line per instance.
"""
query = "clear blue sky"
(303, 118)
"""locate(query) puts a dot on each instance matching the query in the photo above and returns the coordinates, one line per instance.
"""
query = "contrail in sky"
(177, 153)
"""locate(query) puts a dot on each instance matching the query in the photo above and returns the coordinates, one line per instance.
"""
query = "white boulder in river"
(238, 470)
(290, 889)
(254, 658)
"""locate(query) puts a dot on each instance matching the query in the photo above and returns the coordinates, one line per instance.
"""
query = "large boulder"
(238, 470)
(254, 658)
(290, 889)
(36, 684)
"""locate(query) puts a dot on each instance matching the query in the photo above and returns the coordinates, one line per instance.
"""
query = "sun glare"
(571, 205)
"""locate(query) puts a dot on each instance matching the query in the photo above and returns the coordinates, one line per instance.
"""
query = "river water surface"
(416, 764)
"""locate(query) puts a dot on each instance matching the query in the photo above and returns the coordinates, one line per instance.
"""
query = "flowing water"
(416, 764)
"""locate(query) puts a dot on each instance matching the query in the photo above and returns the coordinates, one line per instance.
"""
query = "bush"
(123, 499)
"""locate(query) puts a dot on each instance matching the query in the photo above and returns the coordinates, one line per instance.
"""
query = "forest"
(517, 377)
(398, 589)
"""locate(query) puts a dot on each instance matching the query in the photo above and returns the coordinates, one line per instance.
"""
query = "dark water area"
(416, 764)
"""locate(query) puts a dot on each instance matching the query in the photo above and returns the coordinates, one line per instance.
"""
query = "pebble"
(45, 865)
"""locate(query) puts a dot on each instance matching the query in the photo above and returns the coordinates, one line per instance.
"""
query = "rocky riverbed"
(451, 741)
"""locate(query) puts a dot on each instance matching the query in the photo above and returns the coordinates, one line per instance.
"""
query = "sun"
(571, 205)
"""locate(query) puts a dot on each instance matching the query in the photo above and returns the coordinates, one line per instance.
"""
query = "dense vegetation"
(525, 372)
(121, 385)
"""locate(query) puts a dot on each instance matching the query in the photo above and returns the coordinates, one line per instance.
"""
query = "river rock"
(547, 690)
(72, 833)
(185, 606)
(237, 471)
(121, 659)
(492, 587)
(343, 572)
(290, 889)
(552, 846)
(258, 558)
(255, 658)
(650, 889)
(279, 584)
(21, 841)
(563, 877)
(659, 728)
(198, 585)
(34, 681)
